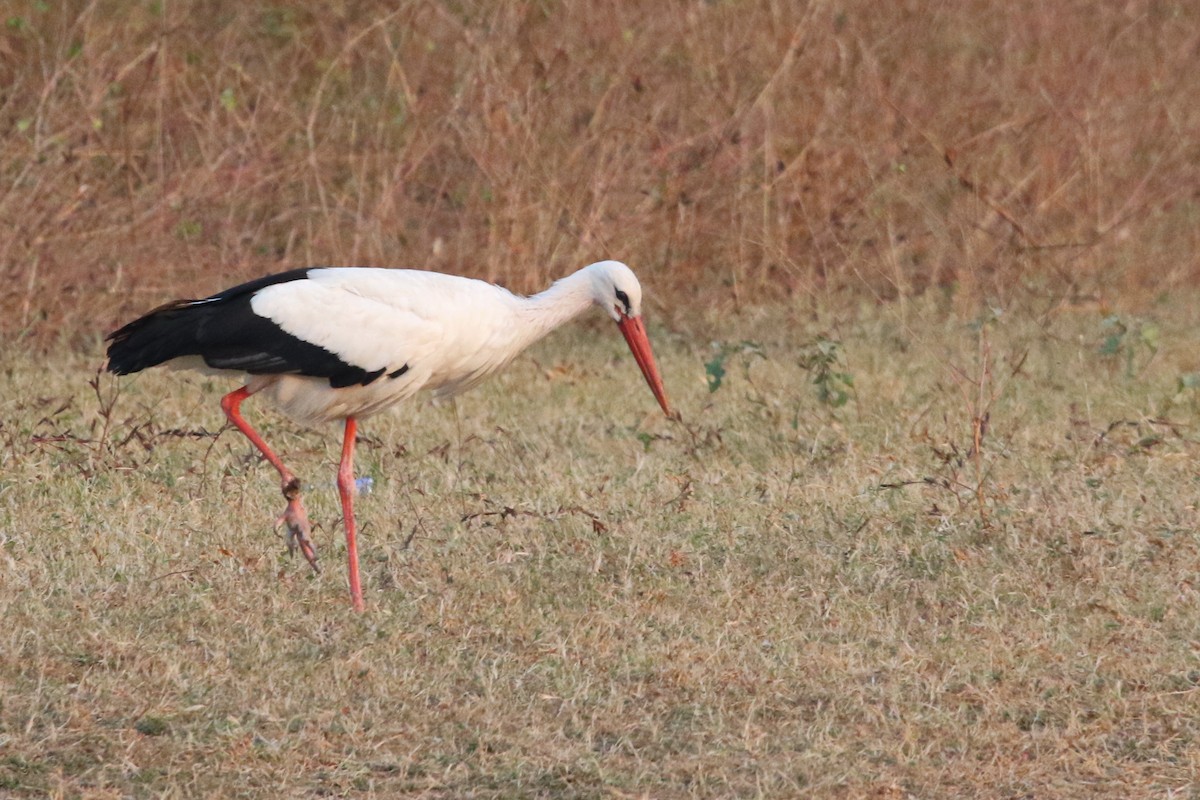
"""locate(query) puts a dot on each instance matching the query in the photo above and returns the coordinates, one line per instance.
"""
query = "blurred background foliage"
(732, 152)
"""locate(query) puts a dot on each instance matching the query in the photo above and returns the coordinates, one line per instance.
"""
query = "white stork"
(342, 343)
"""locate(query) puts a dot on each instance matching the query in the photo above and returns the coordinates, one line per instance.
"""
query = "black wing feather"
(224, 330)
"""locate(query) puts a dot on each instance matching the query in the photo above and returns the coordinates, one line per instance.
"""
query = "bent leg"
(294, 516)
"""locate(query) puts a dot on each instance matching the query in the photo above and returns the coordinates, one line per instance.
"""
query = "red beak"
(635, 334)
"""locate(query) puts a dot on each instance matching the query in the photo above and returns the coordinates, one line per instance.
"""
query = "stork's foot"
(295, 521)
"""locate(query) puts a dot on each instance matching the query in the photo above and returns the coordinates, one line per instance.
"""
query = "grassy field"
(921, 278)
(976, 576)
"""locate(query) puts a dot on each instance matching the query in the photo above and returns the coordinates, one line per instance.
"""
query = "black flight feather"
(227, 334)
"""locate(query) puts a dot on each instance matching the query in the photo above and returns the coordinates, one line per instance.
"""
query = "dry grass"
(741, 150)
(570, 596)
(974, 578)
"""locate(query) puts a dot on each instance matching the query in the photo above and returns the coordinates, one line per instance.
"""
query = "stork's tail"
(167, 332)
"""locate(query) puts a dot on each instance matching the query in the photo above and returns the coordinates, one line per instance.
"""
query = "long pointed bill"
(634, 331)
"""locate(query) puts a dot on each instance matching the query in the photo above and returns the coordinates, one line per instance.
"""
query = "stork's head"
(616, 290)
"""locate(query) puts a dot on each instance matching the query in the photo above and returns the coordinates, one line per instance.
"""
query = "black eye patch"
(623, 299)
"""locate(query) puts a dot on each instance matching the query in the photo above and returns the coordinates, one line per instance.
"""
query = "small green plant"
(714, 370)
(151, 726)
(1187, 389)
(822, 358)
(1123, 340)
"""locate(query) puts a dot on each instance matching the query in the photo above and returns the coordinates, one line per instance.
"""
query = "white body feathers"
(425, 330)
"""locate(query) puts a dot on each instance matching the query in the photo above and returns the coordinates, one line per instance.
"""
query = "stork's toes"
(295, 521)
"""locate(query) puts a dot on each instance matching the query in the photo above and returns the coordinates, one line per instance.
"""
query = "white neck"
(562, 302)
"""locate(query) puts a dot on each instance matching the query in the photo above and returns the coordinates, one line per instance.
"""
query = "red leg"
(294, 516)
(346, 488)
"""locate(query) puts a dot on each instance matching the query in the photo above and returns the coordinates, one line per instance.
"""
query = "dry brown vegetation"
(570, 596)
(921, 281)
(754, 149)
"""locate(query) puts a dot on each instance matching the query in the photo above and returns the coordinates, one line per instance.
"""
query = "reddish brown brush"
(731, 152)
